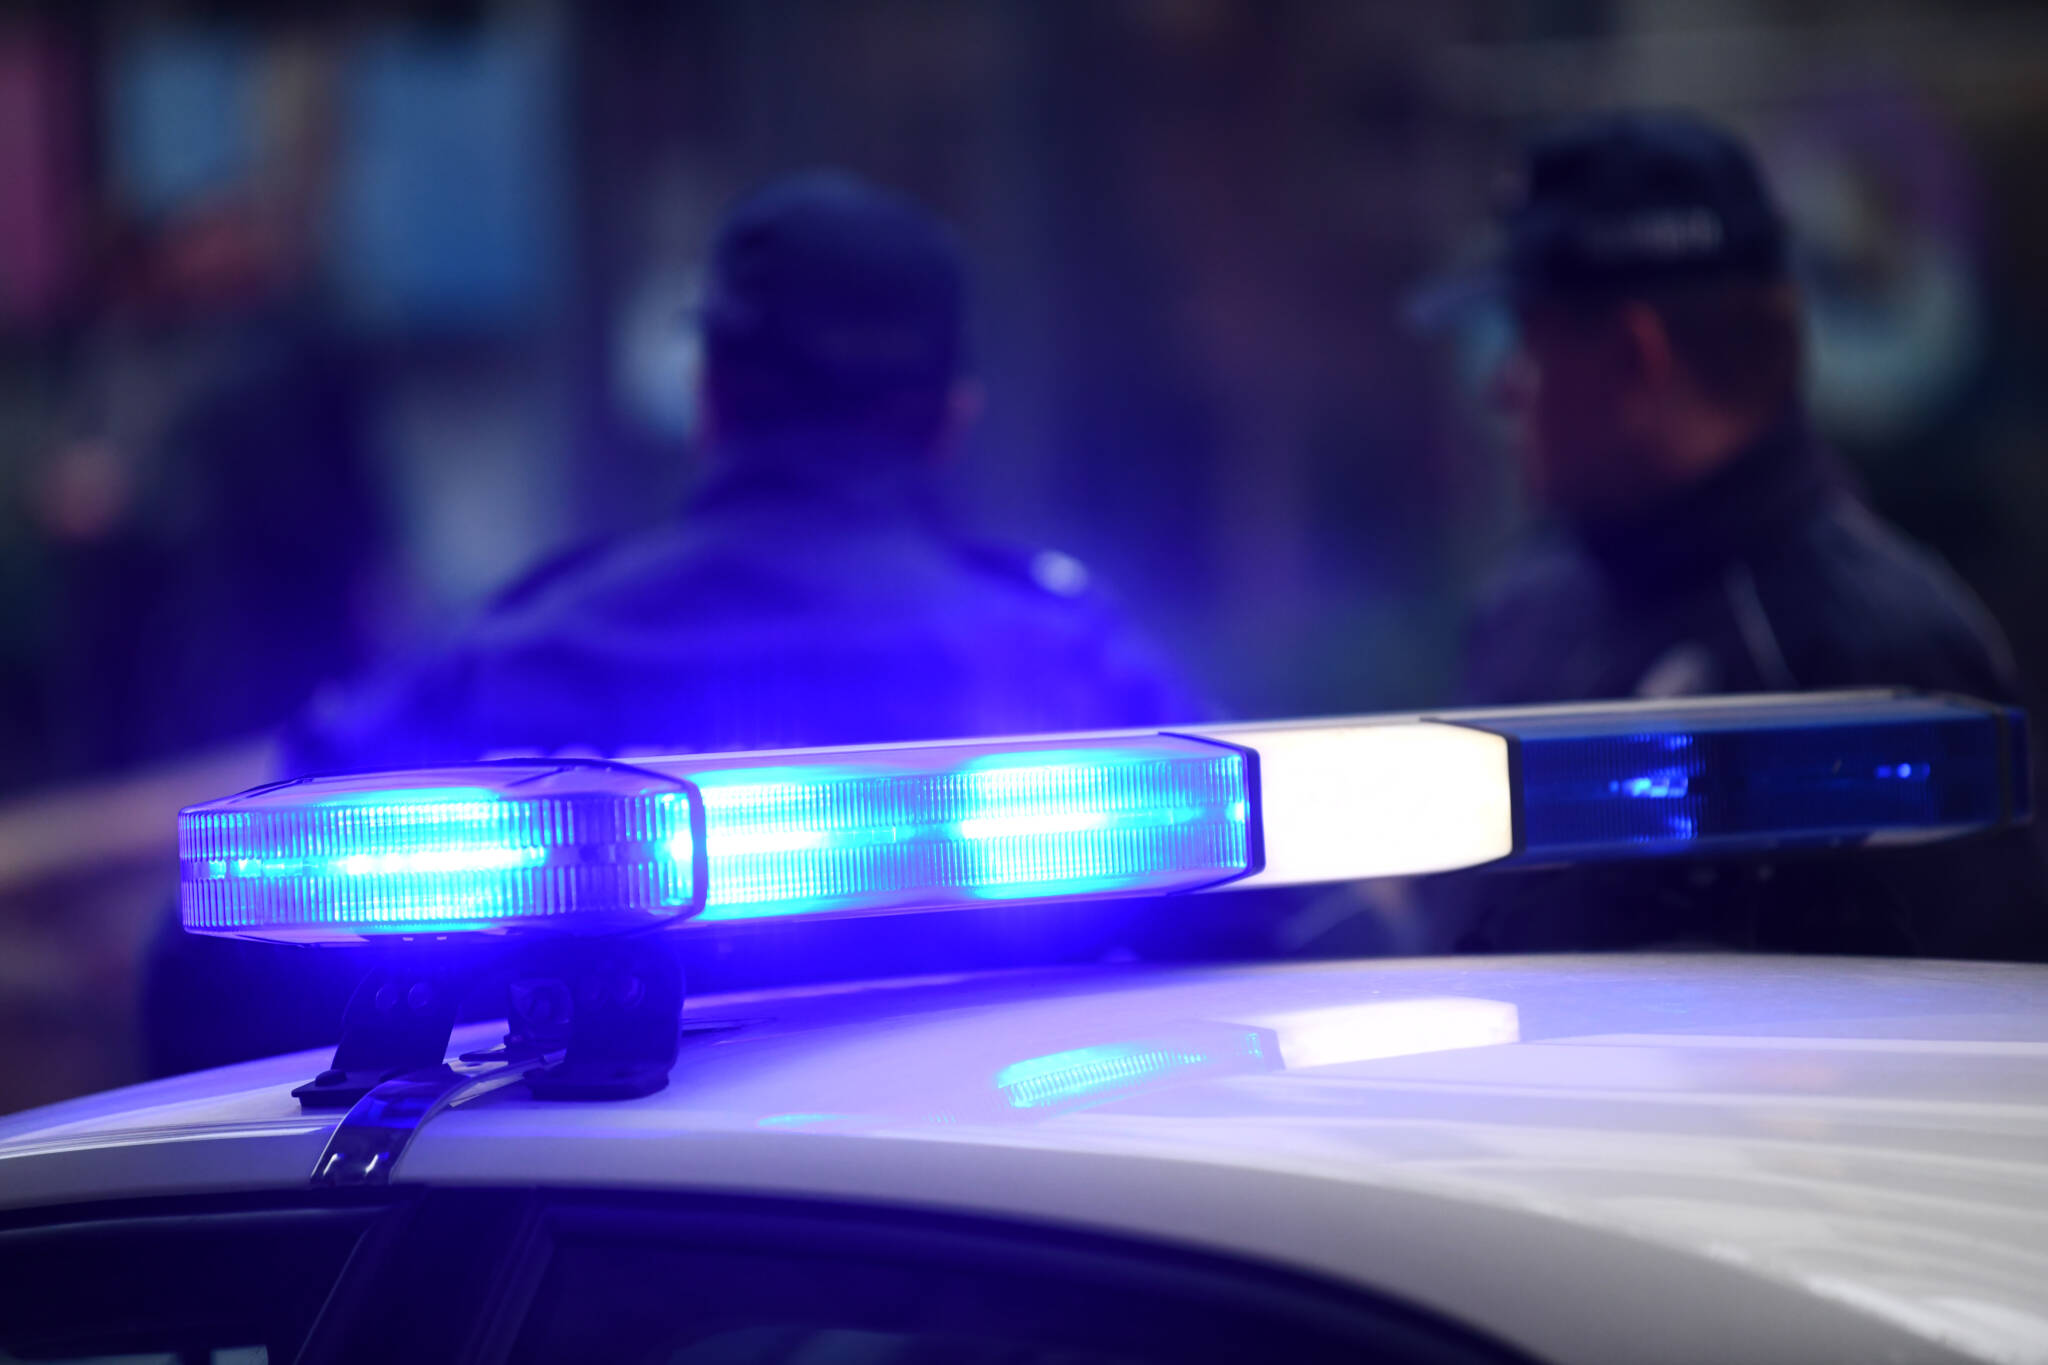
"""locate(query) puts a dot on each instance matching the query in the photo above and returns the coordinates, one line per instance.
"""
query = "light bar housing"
(712, 838)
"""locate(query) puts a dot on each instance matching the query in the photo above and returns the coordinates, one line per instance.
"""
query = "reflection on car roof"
(1855, 1142)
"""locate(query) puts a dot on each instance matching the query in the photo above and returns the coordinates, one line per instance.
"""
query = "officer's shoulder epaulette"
(1052, 573)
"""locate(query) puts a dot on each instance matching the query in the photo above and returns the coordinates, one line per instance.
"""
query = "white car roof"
(1596, 1158)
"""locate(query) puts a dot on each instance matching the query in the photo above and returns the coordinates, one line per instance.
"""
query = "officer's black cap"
(849, 285)
(1615, 202)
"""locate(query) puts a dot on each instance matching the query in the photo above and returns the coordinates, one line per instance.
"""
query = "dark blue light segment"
(893, 829)
(1625, 782)
(491, 847)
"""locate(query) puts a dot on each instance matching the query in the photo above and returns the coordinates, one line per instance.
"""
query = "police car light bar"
(706, 838)
(571, 845)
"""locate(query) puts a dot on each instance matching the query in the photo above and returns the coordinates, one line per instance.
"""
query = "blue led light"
(1628, 782)
(891, 829)
(579, 846)
(1109, 1070)
(1662, 785)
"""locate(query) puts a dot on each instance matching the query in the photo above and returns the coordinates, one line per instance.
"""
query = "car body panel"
(1595, 1158)
(233, 1128)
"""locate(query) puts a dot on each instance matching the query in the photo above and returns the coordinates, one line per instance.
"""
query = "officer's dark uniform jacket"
(804, 600)
(1773, 575)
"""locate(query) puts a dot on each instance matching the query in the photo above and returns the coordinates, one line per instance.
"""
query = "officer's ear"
(965, 402)
(1647, 353)
(708, 423)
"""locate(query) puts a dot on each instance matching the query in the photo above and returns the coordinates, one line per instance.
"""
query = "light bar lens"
(486, 847)
(1768, 775)
(888, 829)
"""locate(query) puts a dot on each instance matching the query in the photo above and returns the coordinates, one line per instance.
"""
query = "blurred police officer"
(812, 594)
(1704, 541)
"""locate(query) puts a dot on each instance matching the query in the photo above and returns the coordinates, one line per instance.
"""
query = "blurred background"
(318, 322)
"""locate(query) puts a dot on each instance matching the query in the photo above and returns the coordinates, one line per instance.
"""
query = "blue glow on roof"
(795, 1120)
(338, 856)
(891, 830)
(1108, 1070)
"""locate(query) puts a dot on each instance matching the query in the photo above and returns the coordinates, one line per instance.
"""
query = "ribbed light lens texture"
(342, 857)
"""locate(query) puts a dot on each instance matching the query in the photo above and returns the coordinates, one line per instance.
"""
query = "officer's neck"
(817, 465)
(1699, 439)
(822, 446)
(1744, 493)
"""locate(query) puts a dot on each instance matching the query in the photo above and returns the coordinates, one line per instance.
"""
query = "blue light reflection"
(1109, 1070)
